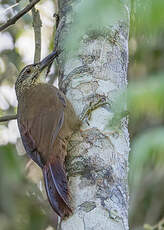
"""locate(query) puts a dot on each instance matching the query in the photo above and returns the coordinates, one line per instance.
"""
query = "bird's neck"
(25, 89)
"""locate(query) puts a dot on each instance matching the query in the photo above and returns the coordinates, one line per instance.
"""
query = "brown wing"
(40, 118)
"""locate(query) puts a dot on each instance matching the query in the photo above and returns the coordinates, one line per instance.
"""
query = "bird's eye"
(28, 71)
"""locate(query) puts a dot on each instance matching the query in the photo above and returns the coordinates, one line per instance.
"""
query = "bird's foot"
(87, 111)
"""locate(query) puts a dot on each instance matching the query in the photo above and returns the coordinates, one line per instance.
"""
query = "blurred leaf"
(147, 16)
(147, 147)
(144, 98)
(17, 209)
(92, 16)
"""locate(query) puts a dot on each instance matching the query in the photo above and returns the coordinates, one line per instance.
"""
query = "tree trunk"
(97, 165)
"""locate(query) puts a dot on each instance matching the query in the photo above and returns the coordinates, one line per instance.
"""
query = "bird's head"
(30, 74)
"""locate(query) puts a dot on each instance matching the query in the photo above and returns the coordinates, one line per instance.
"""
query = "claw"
(87, 111)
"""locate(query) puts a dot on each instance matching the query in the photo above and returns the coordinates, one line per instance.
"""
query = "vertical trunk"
(98, 158)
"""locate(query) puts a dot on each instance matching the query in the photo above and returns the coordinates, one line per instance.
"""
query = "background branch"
(13, 20)
(37, 24)
(37, 30)
(8, 117)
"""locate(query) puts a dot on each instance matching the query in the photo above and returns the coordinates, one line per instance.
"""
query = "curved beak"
(48, 60)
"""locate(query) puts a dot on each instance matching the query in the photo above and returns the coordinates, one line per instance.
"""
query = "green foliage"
(147, 147)
(17, 210)
(146, 108)
(146, 97)
(147, 16)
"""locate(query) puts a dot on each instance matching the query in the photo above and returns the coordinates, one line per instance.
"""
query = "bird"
(46, 120)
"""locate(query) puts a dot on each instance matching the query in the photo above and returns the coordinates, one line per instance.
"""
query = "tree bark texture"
(97, 164)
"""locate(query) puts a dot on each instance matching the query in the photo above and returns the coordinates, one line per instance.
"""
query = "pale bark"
(98, 158)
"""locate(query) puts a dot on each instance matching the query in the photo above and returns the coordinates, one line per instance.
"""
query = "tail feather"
(56, 187)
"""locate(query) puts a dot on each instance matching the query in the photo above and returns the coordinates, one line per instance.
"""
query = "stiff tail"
(56, 187)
